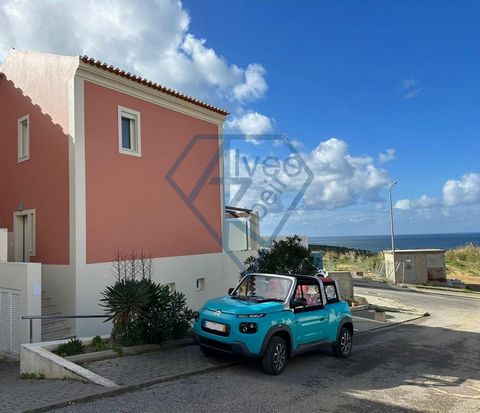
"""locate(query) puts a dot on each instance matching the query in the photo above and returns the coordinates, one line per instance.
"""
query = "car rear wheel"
(343, 346)
(275, 356)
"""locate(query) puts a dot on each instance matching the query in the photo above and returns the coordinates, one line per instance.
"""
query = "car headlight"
(248, 328)
(260, 315)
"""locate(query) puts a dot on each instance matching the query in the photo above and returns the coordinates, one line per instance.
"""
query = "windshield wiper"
(279, 300)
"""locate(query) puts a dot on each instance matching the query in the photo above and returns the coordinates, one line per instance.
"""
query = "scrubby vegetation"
(284, 257)
(460, 262)
(70, 348)
(143, 311)
(464, 260)
(346, 259)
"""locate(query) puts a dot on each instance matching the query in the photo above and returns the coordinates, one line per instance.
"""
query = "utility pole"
(392, 233)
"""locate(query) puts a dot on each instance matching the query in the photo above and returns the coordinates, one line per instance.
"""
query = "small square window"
(23, 127)
(200, 284)
(129, 138)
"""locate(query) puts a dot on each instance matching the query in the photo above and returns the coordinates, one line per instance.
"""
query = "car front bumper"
(235, 348)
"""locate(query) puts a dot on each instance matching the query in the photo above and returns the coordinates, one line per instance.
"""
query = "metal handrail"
(56, 317)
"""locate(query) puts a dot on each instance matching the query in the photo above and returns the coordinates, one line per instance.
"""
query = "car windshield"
(263, 288)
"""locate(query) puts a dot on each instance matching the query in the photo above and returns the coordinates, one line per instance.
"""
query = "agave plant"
(127, 299)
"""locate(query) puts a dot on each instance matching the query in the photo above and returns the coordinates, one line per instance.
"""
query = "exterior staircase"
(53, 329)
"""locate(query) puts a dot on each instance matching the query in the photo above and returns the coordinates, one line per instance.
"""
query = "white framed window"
(129, 137)
(200, 284)
(23, 126)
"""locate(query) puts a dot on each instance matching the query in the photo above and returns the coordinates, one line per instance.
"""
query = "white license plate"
(215, 326)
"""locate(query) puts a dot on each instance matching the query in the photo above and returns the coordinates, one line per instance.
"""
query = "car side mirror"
(299, 302)
(230, 291)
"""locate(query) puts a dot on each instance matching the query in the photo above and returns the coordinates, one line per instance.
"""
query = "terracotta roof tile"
(115, 70)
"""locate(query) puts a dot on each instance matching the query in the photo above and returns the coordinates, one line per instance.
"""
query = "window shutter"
(15, 320)
(4, 322)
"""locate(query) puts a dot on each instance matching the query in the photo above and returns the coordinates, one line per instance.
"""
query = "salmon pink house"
(94, 160)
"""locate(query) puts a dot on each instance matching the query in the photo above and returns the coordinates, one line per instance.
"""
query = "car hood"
(229, 305)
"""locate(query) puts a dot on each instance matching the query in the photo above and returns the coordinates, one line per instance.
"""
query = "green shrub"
(70, 348)
(32, 376)
(142, 310)
(180, 316)
(98, 344)
(285, 256)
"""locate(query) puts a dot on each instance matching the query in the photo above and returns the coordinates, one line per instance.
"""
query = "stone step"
(53, 322)
(58, 334)
(54, 328)
(48, 308)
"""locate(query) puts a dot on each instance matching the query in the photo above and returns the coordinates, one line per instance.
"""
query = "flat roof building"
(415, 266)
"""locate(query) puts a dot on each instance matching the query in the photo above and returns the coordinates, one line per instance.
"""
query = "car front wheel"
(275, 356)
(343, 346)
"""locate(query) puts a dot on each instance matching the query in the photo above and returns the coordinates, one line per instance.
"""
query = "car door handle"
(322, 318)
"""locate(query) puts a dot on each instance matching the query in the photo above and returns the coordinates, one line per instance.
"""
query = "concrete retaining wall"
(38, 359)
(345, 283)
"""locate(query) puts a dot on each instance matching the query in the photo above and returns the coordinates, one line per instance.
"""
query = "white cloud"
(403, 204)
(339, 179)
(252, 123)
(410, 88)
(423, 202)
(456, 192)
(413, 94)
(151, 39)
(386, 156)
(409, 83)
(254, 86)
(465, 191)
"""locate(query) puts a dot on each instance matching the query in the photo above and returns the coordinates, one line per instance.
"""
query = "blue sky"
(368, 92)
(345, 69)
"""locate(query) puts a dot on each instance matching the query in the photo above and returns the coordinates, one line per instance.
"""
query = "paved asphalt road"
(432, 364)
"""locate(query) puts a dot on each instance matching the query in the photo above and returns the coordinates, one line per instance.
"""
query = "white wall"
(235, 231)
(11, 247)
(26, 278)
(219, 270)
(3, 244)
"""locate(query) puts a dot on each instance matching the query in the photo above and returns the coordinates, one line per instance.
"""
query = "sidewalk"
(149, 368)
(444, 291)
(17, 395)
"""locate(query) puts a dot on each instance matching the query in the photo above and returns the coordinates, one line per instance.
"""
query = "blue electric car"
(274, 317)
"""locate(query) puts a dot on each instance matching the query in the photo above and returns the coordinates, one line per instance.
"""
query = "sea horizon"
(378, 243)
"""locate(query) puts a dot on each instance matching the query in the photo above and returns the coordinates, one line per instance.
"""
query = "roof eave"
(86, 61)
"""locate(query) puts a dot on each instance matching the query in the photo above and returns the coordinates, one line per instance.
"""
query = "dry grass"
(353, 261)
(464, 260)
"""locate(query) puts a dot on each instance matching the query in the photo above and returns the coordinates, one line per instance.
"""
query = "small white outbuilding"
(417, 266)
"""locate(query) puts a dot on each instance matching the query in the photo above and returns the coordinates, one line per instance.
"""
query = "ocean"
(377, 243)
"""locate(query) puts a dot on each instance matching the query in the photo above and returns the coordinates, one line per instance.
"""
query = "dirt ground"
(472, 280)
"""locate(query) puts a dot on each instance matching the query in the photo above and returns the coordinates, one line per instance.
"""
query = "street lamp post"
(392, 231)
